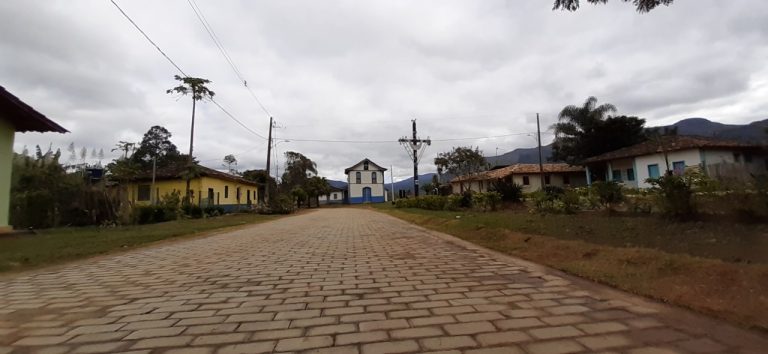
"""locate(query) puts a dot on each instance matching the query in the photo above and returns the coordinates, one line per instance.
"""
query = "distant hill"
(752, 132)
(520, 155)
(337, 184)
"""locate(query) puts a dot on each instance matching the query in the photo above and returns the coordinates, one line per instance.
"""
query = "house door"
(367, 195)
(210, 196)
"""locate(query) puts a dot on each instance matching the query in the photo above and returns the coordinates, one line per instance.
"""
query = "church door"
(367, 195)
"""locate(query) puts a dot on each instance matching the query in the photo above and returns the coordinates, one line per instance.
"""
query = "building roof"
(670, 143)
(175, 171)
(520, 168)
(23, 117)
(346, 170)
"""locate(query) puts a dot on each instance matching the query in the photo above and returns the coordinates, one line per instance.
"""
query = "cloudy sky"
(361, 70)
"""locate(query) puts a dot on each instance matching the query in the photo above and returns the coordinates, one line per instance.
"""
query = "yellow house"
(211, 188)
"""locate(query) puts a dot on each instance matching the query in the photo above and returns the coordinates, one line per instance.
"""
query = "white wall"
(691, 157)
(366, 180)
(622, 166)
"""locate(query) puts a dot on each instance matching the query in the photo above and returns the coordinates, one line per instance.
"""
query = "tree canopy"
(640, 5)
(461, 161)
(156, 144)
(297, 169)
(589, 130)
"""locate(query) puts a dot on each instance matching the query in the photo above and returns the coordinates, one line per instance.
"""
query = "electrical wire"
(148, 39)
(208, 28)
(230, 115)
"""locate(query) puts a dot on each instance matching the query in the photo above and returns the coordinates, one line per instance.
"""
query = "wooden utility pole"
(269, 154)
(541, 162)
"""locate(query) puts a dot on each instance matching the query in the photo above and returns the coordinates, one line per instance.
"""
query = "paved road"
(336, 281)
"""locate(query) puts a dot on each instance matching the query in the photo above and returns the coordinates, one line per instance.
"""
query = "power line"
(237, 120)
(230, 115)
(149, 39)
(208, 28)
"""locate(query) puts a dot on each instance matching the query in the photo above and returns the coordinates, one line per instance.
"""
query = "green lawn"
(53, 246)
(716, 268)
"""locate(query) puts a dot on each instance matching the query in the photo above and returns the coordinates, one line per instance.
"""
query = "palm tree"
(641, 5)
(575, 123)
(196, 87)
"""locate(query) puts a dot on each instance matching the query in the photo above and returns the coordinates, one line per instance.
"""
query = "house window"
(566, 179)
(373, 177)
(546, 179)
(358, 177)
(653, 171)
(526, 181)
(365, 165)
(616, 175)
(226, 192)
(145, 191)
(335, 196)
(630, 174)
(678, 168)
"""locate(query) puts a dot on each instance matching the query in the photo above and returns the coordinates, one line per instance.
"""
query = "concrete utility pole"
(541, 163)
(269, 154)
(415, 148)
(392, 181)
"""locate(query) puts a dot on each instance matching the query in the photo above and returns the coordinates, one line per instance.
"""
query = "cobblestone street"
(336, 281)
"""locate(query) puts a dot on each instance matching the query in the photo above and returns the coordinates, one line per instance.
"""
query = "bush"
(609, 193)
(150, 214)
(675, 196)
(214, 211)
(509, 191)
(487, 200)
(466, 199)
(283, 204)
(193, 211)
(571, 200)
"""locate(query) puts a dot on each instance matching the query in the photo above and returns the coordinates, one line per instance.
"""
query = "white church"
(365, 183)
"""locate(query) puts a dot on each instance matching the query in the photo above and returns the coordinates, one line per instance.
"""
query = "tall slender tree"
(195, 87)
(640, 5)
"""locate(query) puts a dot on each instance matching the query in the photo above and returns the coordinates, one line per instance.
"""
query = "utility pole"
(269, 154)
(392, 181)
(541, 163)
(154, 172)
(413, 146)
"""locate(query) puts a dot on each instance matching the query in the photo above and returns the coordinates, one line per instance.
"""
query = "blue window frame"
(678, 168)
(630, 174)
(653, 171)
(616, 175)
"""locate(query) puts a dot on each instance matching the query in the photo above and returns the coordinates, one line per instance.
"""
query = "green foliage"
(44, 195)
(282, 204)
(192, 211)
(675, 195)
(553, 199)
(588, 130)
(194, 86)
(213, 210)
(510, 191)
(609, 193)
(461, 161)
(487, 200)
(156, 144)
(299, 195)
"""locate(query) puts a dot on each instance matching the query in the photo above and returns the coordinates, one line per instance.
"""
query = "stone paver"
(337, 281)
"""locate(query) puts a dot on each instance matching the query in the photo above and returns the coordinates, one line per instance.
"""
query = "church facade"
(365, 183)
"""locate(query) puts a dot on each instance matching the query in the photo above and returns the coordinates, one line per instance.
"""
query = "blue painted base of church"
(360, 200)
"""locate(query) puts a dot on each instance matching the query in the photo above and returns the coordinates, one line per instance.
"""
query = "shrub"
(193, 211)
(487, 200)
(608, 192)
(171, 205)
(453, 202)
(509, 191)
(675, 196)
(466, 199)
(571, 200)
(214, 211)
